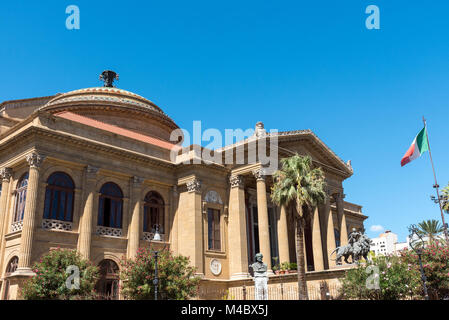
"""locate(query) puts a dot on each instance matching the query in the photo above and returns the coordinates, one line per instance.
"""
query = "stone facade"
(112, 147)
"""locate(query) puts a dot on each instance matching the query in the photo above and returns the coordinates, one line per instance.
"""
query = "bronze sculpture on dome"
(108, 77)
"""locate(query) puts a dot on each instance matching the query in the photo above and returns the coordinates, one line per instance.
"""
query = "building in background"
(385, 243)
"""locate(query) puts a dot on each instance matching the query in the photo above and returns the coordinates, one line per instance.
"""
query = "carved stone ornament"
(194, 185)
(213, 197)
(215, 267)
(259, 174)
(137, 181)
(236, 181)
(6, 173)
(91, 172)
(34, 159)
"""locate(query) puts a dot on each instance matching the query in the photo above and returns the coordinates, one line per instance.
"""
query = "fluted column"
(85, 232)
(29, 218)
(262, 214)
(135, 227)
(5, 175)
(342, 219)
(330, 232)
(238, 253)
(284, 253)
(317, 247)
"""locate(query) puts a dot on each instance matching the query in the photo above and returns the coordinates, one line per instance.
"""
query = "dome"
(115, 106)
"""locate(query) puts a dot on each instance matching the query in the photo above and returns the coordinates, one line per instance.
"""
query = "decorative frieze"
(51, 224)
(5, 173)
(194, 185)
(35, 160)
(137, 182)
(17, 226)
(107, 231)
(236, 181)
(148, 236)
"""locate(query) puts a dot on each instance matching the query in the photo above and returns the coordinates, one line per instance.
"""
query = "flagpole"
(436, 186)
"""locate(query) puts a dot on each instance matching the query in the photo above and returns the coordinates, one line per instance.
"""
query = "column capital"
(338, 196)
(5, 173)
(194, 185)
(137, 181)
(35, 159)
(236, 181)
(259, 174)
(91, 172)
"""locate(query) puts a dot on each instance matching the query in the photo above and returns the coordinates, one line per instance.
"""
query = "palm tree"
(299, 184)
(430, 229)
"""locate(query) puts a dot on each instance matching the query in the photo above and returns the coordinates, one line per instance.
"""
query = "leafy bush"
(177, 279)
(435, 260)
(49, 283)
(397, 280)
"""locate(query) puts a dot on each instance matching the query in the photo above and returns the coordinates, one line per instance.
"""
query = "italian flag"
(419, 145)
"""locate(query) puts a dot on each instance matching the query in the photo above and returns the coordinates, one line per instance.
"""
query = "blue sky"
(291, 64)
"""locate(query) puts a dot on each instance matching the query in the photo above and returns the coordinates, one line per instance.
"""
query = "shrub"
(49, 283)
(397, 280)
(176, 278)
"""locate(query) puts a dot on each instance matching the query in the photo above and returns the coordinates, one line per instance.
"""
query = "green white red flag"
(418, 146)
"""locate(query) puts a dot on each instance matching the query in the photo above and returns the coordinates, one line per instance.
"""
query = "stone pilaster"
(238, 253)
(284, 254)
(262, 214)
(174, 230)
(190, 230)
(135, 227)
(316, 242)
(5, 175)
(330, 235)
(29, 218)
(342, 219)
(85, 230)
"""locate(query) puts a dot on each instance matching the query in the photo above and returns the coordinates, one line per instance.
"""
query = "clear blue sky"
(291, 64)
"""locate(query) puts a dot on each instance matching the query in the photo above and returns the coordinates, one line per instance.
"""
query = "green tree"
(177, 280)
(52, 273)
(299, 184)
(430, 229)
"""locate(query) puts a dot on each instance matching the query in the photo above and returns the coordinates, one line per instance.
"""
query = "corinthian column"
(342, 219)
(238, 254)
(262, 214)
(284, 253)
(317, 247)
(85, 230)
(134, 228)
(330, 232)
(5, 175)
(29, 218)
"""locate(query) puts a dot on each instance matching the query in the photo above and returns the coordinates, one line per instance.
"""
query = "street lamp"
(418, 248)
(156, 237)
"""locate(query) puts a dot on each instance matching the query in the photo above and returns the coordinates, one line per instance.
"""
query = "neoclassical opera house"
(91, 170)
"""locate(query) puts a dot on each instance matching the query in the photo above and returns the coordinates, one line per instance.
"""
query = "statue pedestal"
(261, 288)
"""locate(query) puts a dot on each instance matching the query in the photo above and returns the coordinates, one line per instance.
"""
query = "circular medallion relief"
(215, 267)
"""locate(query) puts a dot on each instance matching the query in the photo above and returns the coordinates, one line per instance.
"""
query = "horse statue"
(358, 247)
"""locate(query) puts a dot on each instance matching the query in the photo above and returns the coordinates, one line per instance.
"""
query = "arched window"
(110, 207)
(10, 268)
(153, 214)
(108, 284)
(59, 197)
(21, 194)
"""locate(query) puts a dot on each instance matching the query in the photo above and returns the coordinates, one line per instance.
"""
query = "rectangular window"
(213, 229)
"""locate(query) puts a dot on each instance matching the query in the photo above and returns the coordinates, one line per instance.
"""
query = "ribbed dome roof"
(95, 97)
